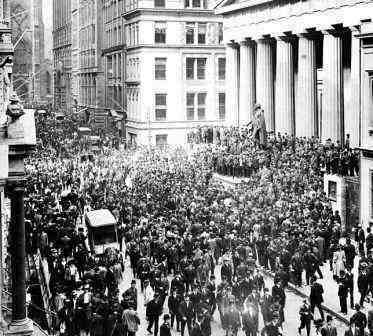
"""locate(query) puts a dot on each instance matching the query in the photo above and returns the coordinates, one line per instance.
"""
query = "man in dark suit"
(329, 329)
(186, 312)
(265, 306)
(359, 320)
(316, 297)
(153, 311)
(165, 327)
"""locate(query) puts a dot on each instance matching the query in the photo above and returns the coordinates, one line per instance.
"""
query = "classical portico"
(283, 53)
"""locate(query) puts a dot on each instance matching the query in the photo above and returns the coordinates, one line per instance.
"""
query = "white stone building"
(175, 69)
(310, 64)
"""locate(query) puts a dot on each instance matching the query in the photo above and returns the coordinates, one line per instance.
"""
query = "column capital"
(247, 42)
(232, 44)
(285, 38)
(355, 30)
(332, 32)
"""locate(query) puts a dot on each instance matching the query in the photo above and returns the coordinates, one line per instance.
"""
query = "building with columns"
(300, 60)
(175, 69)
(309, 63)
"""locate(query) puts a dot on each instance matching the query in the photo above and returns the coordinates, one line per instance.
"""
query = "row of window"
(195, 68)
(114, 66)
(87, 37)
(113, 9)
(198, 4)
(114, 35)
(61, 10)
(195, 33)
(61, 37)
(88, 58)
(195, 106)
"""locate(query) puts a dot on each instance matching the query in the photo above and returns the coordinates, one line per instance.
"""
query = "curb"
(298, 292)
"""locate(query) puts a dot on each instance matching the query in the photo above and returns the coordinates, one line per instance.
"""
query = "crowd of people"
(195, 246)
(237, 155)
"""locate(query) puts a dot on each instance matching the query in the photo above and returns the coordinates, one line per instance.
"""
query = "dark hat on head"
(329, 318)
(133, 282)
(166, 317)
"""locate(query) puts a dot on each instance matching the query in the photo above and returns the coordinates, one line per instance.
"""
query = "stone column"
(20, 323)
(6, 10)
(332, 123)
(265, 81)
(247, 81)
(306, 111)
(232, 80)
(353, 117)
(284, 116)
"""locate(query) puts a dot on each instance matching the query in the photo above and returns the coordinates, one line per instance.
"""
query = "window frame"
(158, 62)
(196, 107)
(222, 78)
(162, 37)
(219, 106)
(159, 107)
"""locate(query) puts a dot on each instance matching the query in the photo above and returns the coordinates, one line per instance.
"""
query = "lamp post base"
(23, 327)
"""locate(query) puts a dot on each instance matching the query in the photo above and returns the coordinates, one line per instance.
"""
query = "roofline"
(222, 9)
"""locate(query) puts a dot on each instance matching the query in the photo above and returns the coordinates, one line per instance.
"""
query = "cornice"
(169, 12)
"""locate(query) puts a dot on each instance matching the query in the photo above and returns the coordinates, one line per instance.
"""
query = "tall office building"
(91, 76)
(62, 55)
(175, 69)
(28, 35)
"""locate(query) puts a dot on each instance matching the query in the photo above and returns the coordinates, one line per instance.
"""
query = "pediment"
(226, 4)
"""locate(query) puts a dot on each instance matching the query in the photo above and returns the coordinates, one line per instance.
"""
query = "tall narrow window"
(160, 106)
(189, 32)
(160, 32)
(201, 105)
(201, 68)
(202, 33)
(221, 68)
(160, 68)
(190, 105)
(221, 106)
(220, 33)
(190, 68)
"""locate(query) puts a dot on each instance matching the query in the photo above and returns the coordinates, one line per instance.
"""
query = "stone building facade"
(91, 76)
(29, 66)
(62, 55)
(113, 51)
(300, 60)
(310, 65)
(175, 69)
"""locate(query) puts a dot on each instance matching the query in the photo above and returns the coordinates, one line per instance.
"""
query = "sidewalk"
(331, 298)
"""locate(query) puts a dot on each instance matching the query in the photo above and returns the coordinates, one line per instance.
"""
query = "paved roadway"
(291, 324)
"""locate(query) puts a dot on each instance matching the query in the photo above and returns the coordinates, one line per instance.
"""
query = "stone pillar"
(265, 81)
(6, 10)
(247, 81)
(306, 111)
(20, 323)
(332, 122)
(353, 118)
(232, 80)
(284, 116)
(2, 219)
